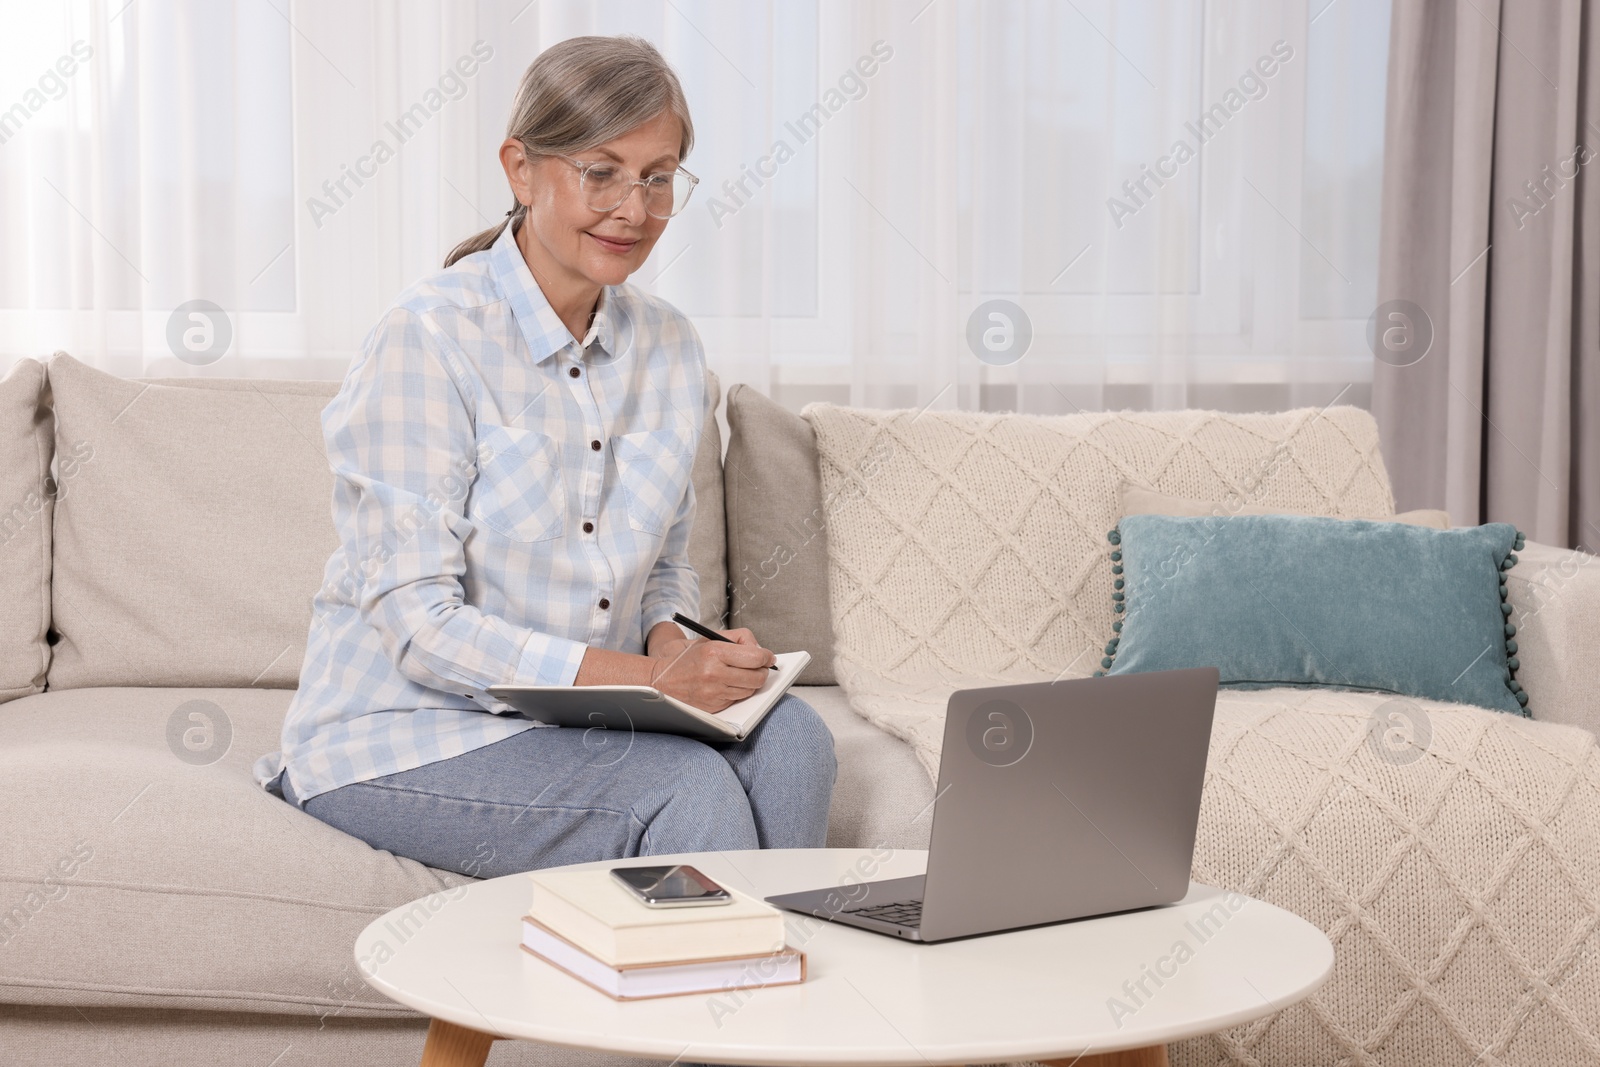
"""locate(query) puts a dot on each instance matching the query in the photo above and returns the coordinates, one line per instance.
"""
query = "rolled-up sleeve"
(403, 450)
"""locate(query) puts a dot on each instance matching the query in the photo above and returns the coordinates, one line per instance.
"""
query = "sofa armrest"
(1555, 602)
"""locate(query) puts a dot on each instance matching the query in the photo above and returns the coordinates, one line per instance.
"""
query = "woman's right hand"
(711, 675)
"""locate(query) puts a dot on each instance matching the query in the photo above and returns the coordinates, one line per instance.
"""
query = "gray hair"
(582, 92)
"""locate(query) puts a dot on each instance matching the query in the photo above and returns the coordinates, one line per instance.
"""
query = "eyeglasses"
(605, 186)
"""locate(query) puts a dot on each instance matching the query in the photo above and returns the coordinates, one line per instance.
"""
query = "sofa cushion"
(881, 797)
(26, 505)
(777, 531)
(708, 541)
(144, 866)
(184, 883)
(188, 552)
(1302, 600)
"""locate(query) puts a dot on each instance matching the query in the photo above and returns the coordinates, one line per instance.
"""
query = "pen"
(683, 620)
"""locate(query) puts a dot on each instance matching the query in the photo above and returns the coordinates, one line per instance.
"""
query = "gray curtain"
(1490, 237)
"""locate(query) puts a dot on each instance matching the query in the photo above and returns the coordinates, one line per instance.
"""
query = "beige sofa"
(156, 906)
(163, 540)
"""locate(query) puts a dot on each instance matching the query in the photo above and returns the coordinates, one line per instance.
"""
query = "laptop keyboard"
(901, 912)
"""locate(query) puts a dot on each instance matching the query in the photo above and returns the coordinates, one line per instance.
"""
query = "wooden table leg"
(449, 1045)
(1154, 1056)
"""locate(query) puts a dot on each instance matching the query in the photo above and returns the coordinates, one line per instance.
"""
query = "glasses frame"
(583, 177)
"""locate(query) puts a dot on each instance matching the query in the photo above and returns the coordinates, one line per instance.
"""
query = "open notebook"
(640, 707)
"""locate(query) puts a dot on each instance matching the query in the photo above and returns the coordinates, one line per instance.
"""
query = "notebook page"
(738, 713)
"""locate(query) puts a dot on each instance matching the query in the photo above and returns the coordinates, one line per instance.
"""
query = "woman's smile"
(617, 245)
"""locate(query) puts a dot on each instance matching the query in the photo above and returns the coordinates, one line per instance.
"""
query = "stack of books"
(588, 925)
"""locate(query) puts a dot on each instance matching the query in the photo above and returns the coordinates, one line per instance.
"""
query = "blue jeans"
(557, 795)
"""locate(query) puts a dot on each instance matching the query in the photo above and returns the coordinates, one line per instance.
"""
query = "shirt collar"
(541, 327)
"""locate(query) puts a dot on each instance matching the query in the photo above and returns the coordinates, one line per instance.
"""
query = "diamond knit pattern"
(1458, 882)
(967, 544)
(1460, 889)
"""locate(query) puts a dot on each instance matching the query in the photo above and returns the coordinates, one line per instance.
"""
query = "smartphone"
(677, 886)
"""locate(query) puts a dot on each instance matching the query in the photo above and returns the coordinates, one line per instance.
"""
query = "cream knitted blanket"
(1459, 881)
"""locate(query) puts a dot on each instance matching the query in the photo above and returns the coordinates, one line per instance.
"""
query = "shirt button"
(588, 527)
(595, 445)
(604, 603)
(574, 372)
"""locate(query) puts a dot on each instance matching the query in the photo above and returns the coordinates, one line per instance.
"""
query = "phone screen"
(671, 886)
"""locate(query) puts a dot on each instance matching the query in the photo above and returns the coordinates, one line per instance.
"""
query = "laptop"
(1055, 801)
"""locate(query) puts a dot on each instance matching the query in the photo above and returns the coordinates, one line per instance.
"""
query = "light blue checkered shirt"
(468, 459)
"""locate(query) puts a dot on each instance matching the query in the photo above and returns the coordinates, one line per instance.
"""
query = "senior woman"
(511, 454)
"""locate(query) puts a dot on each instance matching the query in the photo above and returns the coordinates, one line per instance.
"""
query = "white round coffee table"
(1109, 990)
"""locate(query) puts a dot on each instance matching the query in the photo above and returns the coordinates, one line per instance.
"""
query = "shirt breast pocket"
(654, 467)
(519, 493)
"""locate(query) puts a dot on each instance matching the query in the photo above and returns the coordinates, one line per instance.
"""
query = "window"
(1181, 197)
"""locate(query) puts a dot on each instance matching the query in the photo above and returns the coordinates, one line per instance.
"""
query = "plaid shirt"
(504, 497)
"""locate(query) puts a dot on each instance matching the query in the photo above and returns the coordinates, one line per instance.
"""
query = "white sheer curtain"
(873, 175)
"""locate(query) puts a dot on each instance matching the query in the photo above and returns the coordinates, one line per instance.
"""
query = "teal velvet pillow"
(1296, 600)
